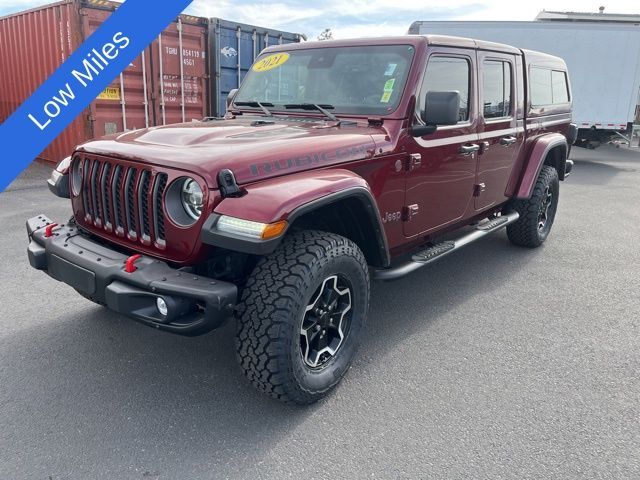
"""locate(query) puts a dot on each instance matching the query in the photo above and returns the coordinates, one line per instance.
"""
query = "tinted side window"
(496, 88)
(548, 87)
(540, 86)
(445, 74)
(559, 85)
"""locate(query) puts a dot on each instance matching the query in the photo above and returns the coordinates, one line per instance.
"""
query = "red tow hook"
(48, 232)
(129, 265)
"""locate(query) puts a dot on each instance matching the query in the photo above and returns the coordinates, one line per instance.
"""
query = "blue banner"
(77, 82)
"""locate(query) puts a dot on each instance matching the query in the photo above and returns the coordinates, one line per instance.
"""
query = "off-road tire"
(273, 305)
(525, 232)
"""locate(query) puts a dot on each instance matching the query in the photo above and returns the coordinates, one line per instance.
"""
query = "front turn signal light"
(273, 230)
(249, 228)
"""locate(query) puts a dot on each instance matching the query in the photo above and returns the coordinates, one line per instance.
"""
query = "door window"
(445, 74)
(496, 88)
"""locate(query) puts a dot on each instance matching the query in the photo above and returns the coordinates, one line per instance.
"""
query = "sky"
(360, 18)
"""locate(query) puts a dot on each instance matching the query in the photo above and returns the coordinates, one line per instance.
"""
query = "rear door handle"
(469, 149)
(506, 141)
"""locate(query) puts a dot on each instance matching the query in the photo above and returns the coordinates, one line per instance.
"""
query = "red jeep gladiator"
(336, 163)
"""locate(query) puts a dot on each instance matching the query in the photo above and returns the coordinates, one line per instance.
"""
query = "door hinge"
(413, 162)
(409, 212)
(478, 189)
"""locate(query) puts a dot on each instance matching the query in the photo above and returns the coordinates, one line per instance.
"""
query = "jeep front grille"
(127, 200)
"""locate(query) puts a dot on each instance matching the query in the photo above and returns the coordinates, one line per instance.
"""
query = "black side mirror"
(422, 130)
(230, 95)
(441, 108)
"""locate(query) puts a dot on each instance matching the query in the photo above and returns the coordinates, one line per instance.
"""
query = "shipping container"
(234, 47)
(32, 45)
(169, 82)
(603, 60)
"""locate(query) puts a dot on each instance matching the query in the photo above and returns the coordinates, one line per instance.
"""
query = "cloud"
(13, 6)
(370, 30)
(255, 13)
(349, 18)
(355, 18)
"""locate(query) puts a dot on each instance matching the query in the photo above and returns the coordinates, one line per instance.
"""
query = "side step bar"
(439, 250)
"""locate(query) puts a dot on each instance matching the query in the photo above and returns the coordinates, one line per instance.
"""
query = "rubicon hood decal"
(311, 160)
(250, 149)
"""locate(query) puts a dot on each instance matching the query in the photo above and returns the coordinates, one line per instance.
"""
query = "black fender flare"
(211, 236)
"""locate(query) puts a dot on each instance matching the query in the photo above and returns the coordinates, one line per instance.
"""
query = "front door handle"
(469, 149)
(506, 141)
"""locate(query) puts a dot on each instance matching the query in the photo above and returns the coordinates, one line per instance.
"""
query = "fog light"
(162, 306)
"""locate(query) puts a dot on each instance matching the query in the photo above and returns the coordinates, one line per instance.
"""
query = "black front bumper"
(195, 304)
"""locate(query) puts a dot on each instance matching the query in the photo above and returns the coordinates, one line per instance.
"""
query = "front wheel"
(536, 213)
(301, 316)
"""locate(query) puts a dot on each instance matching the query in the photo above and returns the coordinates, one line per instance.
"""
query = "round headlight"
(76, 176)
(184, 201)
(192, 198)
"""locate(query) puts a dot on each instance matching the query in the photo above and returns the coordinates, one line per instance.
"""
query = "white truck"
(603, 58)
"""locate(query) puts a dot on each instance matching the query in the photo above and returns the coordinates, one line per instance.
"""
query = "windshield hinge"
(228, 184)
(375, 122)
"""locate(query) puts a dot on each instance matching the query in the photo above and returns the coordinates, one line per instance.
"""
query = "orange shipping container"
(167, 83)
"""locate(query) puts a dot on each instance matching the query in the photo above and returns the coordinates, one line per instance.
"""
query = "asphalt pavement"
(497, 362)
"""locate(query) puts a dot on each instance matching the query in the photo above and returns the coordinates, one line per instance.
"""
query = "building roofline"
(546, 16)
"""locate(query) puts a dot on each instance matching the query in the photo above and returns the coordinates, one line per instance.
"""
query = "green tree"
(326, 34)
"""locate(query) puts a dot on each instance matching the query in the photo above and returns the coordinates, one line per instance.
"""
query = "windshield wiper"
(315, 106)
(261, 105)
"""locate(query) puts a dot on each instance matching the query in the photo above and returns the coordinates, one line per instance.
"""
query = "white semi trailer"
(603, 60)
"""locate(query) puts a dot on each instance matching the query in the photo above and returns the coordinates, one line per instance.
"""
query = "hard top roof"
(415, 40)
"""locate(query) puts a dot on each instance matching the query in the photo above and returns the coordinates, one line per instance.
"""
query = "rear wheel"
(301, 316)
(536, 213)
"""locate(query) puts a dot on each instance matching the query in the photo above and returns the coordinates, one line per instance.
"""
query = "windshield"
(355, 80)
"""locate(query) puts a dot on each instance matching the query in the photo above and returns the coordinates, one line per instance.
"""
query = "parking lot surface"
(497, 362)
